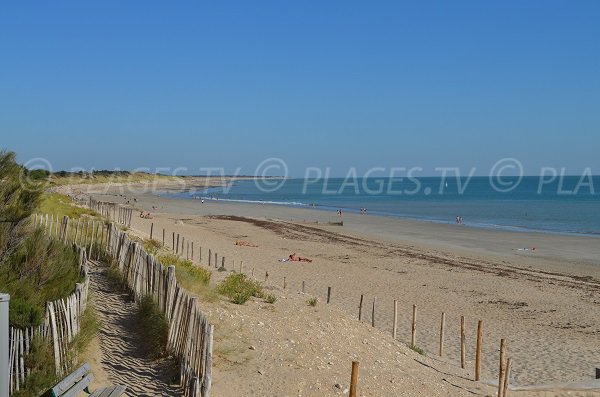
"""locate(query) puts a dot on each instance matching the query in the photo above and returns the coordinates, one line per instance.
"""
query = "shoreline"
(544, 302)
(347, 210)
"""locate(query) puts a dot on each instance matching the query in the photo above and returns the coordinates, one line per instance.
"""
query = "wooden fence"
(190, 334)
(61, 324)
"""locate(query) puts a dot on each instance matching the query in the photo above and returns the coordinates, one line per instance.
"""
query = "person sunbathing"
(294, 258)
(245, 243)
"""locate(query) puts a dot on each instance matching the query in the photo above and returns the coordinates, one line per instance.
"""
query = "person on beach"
(245, 243)
(294, 258)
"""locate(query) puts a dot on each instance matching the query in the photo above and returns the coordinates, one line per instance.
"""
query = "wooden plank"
(111, 391)
(71, 380)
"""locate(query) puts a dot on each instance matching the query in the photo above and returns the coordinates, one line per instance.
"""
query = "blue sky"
(327, 84)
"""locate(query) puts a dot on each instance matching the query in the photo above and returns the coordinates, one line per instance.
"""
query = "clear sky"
(131, 84)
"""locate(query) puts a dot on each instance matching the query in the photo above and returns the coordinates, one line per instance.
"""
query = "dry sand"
(544, 302)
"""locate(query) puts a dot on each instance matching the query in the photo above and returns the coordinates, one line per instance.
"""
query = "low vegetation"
(239, 288)
(33, 268)
(152, 328)
(312, 302)
(417, 349)
(41, 363)
(195, 279)
(270, 298)
(60, 205)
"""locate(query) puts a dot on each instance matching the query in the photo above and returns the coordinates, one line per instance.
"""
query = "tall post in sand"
(478, 350)
(395, 324)
(373, 312)
(442, 334)
(328, 294)
(163, 237)
(507, 377)
(502, 368)
(462, 342)
(354, 380)
(413, 337)
(151, 229)
(360, 307)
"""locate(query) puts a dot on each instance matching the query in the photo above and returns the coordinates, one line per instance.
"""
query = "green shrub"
(239, 288)
(152, 246)
(270, 298)
(417, 349)
(39, 270)
(185, 269)
(312, 302)
(152, 328)
(41, 363)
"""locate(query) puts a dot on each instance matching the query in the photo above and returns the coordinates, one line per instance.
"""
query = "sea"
(566, 204)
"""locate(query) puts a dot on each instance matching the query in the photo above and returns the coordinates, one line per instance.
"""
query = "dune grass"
(152, 328)
(194, 279)
(61, 205)
(239, 288)
(98, 177)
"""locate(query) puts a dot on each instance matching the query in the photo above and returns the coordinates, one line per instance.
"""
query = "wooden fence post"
(209, 257)
(478, 350)
(442, 334)
(328, 294)
(303, 284)
(173, 241)
(163, 237)
(413, 337)
(462, 342)
(151, 229)
(507, 377)
(373, 312)
(395, 325)
(284, 283)
(502, 368)
(354, 380)
(360, 307)
(241, 267)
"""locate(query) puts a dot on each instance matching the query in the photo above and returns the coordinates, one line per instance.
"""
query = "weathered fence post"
(478, 350)
(395, 325)
(354, 380)
(163, 237)
(462, 342)
(373, 312)
(151, 229)
(507, 377)
(442, 334)
(413, 337)
(502, 368)
(360, 307)
(328, 294)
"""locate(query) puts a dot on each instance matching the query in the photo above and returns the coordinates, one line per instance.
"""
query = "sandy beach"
(543, 302)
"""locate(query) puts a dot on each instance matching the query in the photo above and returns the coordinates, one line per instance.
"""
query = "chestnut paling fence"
(190, 335)
(62, 323)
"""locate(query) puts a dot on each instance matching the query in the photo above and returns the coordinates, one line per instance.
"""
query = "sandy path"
(120, 358)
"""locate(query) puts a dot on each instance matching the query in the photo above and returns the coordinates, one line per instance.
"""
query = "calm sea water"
(566, 205)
